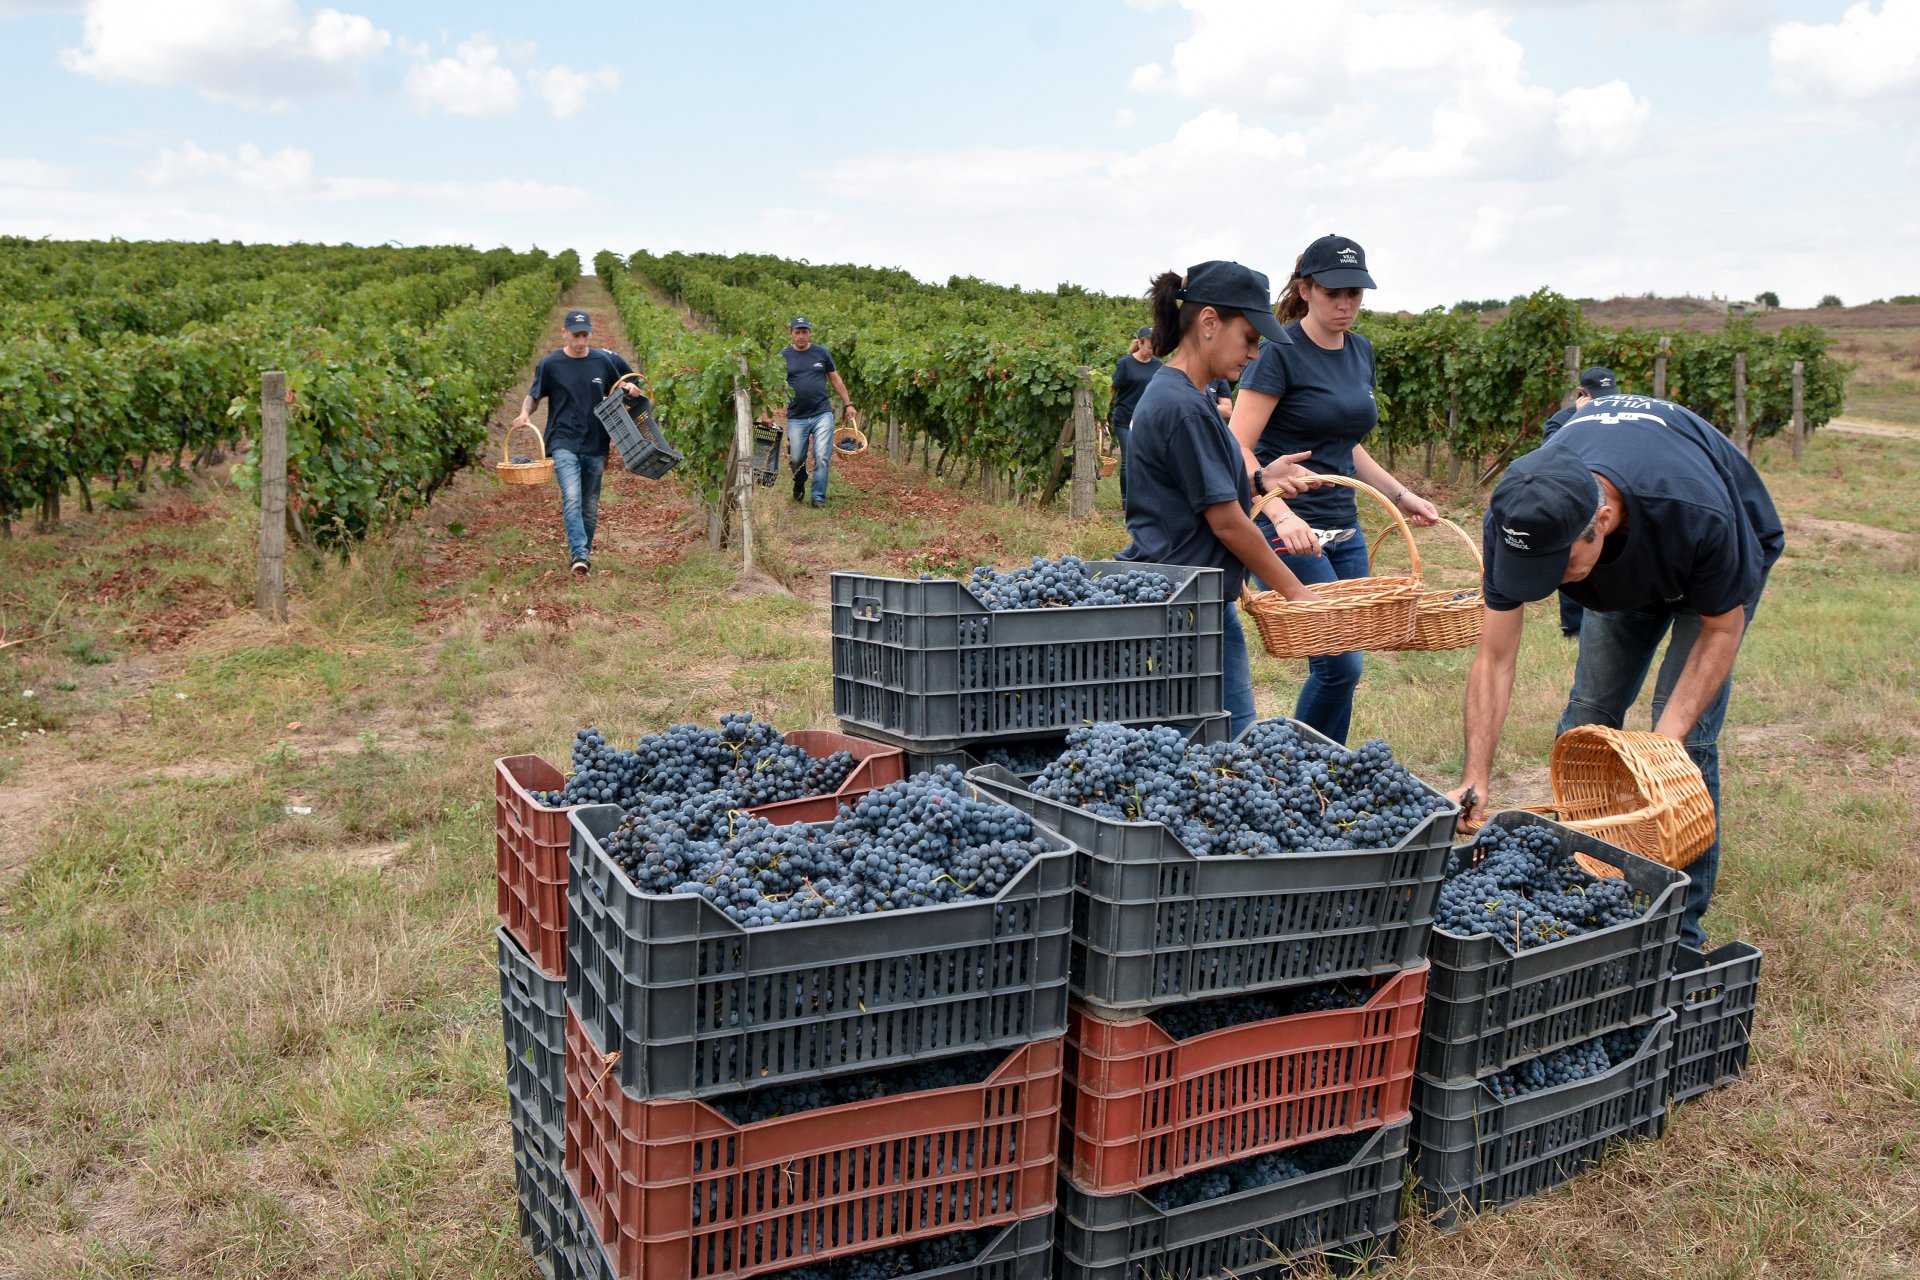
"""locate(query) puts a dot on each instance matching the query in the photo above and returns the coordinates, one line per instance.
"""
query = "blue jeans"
(815, 432)
(579, 475)
(1570, 615)
(1616, 649)
(1326, 699)
(1236, 672)
(1120, 448)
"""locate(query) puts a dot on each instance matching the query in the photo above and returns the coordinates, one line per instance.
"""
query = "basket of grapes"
(537, 469)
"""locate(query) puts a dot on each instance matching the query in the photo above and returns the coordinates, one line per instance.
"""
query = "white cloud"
(249, 53)
(286, 172)
(1864, 55)
(1602, 123)
(33, 173)
(289, 175)
(1123, 118)
(565, 89)
(471, 83)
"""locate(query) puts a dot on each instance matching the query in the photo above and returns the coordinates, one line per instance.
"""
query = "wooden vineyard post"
(1573, 375)
(1086, 447)
(1453, 440)
(742, 469)
(1742, 433)
(893, 436)
(1660, 370)
(1799, 407)
(270, 596)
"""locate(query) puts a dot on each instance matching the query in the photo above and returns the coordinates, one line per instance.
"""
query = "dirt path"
(1868, 427)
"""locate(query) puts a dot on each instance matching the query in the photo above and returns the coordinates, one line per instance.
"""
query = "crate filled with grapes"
(1713, 996)
(802, 776)
(1260, 1218)
(1213, 1081)
(1217, 869)
(716, 951)
(936, 664)
(814, 1171)
(1025, 758)
(1482, 1144)
(533, 1019)
(1532, 952)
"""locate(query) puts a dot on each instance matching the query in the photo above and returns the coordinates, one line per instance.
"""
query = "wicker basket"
(1354, 613)
(1444, 619)
(849, 439)
(537, 471)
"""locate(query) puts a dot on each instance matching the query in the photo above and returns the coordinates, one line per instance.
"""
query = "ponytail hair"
(1292, 304)
(1172, 321)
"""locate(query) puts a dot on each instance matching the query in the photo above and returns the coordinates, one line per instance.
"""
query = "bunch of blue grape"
(900, 1260)
(1519, 885)
(1271, 792)
(1197, 1018)
(746, 760)
(920, 842)
(1065, 583)
(755, 1105)
(1257, 1171)
(1568, 1063)
(1022, 758)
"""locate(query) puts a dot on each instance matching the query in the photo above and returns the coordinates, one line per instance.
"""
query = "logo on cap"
(1516, 538)
(1348, 257)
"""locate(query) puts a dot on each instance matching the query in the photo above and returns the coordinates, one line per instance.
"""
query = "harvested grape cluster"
(916, 843)
(746, 760)
(756, 1105)
(1273, 791)
(1568, 1063)
(1184, 1021)
(1022, 758)
(1066, 582)
(1519, 885)
(1257, 1171)
(898, 1261)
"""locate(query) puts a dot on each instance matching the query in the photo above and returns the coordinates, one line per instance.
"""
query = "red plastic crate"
(530, 839)
(677, 1191)
(1142, 1107)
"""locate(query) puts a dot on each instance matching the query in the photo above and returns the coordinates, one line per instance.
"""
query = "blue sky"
(1475, 149)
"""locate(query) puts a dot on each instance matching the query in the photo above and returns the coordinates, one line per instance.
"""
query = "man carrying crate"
(573, 379)
(809, 411)
(1655, 523)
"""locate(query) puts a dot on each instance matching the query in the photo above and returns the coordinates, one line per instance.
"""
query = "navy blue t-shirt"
(1326, 406)
(1130, 378)
(571, 388)
(1557, 421)
(807, 377)
(1220, 389)
(1181, 459)
(1701, 530)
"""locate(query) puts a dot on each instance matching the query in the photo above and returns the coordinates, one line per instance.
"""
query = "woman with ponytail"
(1311, 395)
(1188, 485)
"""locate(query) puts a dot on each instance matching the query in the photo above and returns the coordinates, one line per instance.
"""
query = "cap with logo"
(1146, 331)
(579, 322)
(1598, 382)
(1228, 284)
(1540, 507)
(800, 322)
(1335, 262)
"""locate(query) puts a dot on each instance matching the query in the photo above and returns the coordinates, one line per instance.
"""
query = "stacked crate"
(1713, 995)
(1490, 1009)
(1157, 928)
(671, 1007)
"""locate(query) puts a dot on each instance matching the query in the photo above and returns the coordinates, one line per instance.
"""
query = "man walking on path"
(1596, 381)
(572, 380)
(809, 412)
(1656, 523)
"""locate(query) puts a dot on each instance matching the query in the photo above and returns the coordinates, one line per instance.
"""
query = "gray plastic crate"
(533, 1016)
(636, 434)
(927, 666)
(1353, 1210)
(972, 755)
(697, 1005)
(1154, 924)
(1473, 1151)
(1713, 995)
(1488, 1008)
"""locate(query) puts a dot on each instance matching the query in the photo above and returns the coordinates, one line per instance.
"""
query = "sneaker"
(799, 485)
(580, 567)
(819, 502)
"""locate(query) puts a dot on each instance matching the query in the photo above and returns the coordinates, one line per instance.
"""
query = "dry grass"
(243, 1040)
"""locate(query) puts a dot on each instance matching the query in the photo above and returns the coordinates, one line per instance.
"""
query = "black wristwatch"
(1260, 481)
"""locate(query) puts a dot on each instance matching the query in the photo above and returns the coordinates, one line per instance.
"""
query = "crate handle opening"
(866, 608)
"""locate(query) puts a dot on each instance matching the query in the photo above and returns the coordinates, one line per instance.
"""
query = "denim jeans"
(579, 475)
(1616, 649)
(1236, 672)
(1120, 448)
(1326, 699)
(1570, 615)
(816, 432)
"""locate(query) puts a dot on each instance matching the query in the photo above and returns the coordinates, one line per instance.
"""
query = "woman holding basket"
(1312, 395)
(1189, 489)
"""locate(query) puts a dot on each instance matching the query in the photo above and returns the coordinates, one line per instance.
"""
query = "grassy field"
(246, 904)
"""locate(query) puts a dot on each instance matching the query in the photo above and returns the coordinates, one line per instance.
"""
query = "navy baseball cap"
(579, 322)
(1146, 331)
(1228, 284)
(800, 322)
(1335, 262)
(1598, 382)
(1540, 507)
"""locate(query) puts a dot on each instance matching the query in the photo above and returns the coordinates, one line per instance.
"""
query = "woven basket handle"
(636, 376)
(506, 442)
(1465, 537)
(1361, 486)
